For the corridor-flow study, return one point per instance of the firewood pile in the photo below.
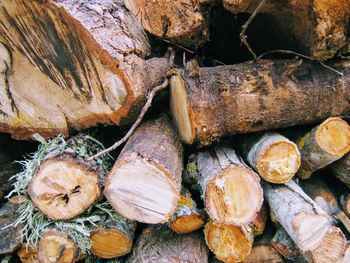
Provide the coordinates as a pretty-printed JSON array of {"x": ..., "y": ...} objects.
[{"x": 227, "y": 121}]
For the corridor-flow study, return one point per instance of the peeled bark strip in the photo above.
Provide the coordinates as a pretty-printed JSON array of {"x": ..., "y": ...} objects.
[
  {"x": 325, "y": 144},
  {"x": 275, "y": 158},
  {"x": 341, "y": 169},
  {"x": 66, "y": 184},
  {"x": 305, "y": 222},
  {"x": 231, "y": 191},
  {"x": 28, "y": 254},
  {"x": 57, "y": 247},
  {"x": 84, "y": 58},
  {"x": 145, "y": 182},
  {"x": 187, "y": 217},
  {"x": 209, "y": 103},
  {"x": 181, "y": 22},
  {"x": 114, "y": 238},
  {"x": 160, "y": 244},
  {"x": 10, "y": 237},
  {"x": 229, "y": 243}
]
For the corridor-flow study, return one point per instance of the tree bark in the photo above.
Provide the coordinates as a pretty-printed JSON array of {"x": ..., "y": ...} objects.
[
  {"x": 145, "y": 182},
  {"x": 160, "y": 244},
  {"x": 181, "y": 22},
  {"x": 325, "y": 144},
  {"x": 187, "y": 217},
  {"x": 113, "y": 238},
  {"x": 209, "y": 103},
  {"x": 10, "y": 236},
  {"x": 275, "y": 158},
  {"x": 85, "y": 59},
  {"x": 231, "y": 191},
  {"x": 66, "y": 183},
  {"x": 229, "y": 243},
  {"x": 306, "y": 223},
  {"x": 341, "y": 169}
]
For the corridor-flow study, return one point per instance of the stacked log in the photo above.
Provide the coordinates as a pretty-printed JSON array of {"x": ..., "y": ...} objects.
[{"x": 341, "y": 169}]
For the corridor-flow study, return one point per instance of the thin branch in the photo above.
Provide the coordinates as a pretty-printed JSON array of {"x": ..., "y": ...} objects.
[
  {"x": 145, "y": 108},
  {"x": 243, "y": 35}
]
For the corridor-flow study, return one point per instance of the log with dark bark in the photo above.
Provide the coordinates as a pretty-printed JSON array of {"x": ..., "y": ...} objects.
[
  {"x": 341, "y": 169},
  {"x": 275, "y": 158},
  {"x": 187, "y": 217},
  {"x": 145, "y": 182},
  {"x": 208, "y": 103},
  {"x": 230, "y": 189},
  {"x": 309, "y": 226},
  {"x": 85, "y": 59},
  {"x": 10, "y": 236},
  {"x": 323, "y": 145},
  {"x": 160, "y": 244}
]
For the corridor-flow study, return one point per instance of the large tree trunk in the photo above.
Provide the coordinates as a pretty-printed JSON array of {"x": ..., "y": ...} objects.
[
  {"x": 208, "y": 103},
  {"x": 341, "y": 169},
  {"x": 320, "y": 27},
  {"x": 275, "y": 158},
  {"x": 323, "y": 145},
  {"x": 231, "y": 190},
  {"x": 145, "y": 182},
  {"x": 160, "y": 244},
  {"x": 84, "y": 59},
  {"x": 307, "y": 224}
]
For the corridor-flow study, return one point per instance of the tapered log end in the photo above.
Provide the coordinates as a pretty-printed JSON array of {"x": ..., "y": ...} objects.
[
  {"x": 56, "y": 247},
  {"x": 110, "y": 243},
  {"x": 229, "y": 243},
  {"x": 63, "y": 188},
  {"x": 187, "y": 224},
  {"x": 234, "y": 197},
  {"x": 140, "y": 190},
  {"x": 180, "y": 110}
]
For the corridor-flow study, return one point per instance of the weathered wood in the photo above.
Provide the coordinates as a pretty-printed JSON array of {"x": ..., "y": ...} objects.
[
  {"x": 275, "y": 158},
  {"x": 27, "y": 254},
  {"x": 229, "y": 243},
  {"x": 208, "y": 103},
  {"x": 84, "y": 58},
  {"x": 160, "y": 244},
  {"x": 323, "y": 145},
  {"x": 10, "y": 236},
  {"x": 187, "y": 217},
  {"x": 341, "y": 169},
  {"x": 145, "y": 182},
  {"x": 231, "y": 191}
]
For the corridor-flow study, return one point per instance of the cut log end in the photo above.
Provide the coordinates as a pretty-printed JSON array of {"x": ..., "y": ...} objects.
[
  {"x": 27, "y": 254},
  {"x": 234, "y": 197},
  {"x": 63, "y": 188},
  {"x": 55, "y": 247},
  {"x": 180, "y": 109},
  {"x": 156, "y": 197},
  {"x": 264, "y": 253},
  {"x": 187, "y": 224},
  {"x": 110, "y": 243},
  {"x": 236, "y": 6},
  {"x": 228, "y": 243}
]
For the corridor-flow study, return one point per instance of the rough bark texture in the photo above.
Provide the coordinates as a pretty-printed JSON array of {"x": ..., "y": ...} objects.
[
  {"x": 229, "y": 243},
  {"x": 114, "y": 238},
  {"x": 84, "y": 58},
  {"x": 325, "y": 144},
  {"x": 158, "y": 244},
  {"x": 341, "y": 169},
  {"x": 27, "y": 254},
  {"x": 145, "y": 182},
  {"x": 275, "y": 158},
  {"x": 305, "y": 222},
  {"x": 320, "y": 27},
  {"x": 10, "y": 237},
  {"x": 208, "y": 103},
  {"x": 231, "y": 191},
  {"x": 181, "y": 22},
  {"x": 187, "y": 217}
]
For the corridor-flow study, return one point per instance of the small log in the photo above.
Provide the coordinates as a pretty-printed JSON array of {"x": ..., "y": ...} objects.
[
  {"x": 275, "y": 158},
  {"x": 66, "y": 184},
  {"x": 86, "y": 60},
  {"x": 10, "y": 236},
  {"x": 160, "y": 244},
  {"x": 27, "y": 254},
  {"x": 229, "y": 243},
  {"x": 231, "y": 190},
  {"x": 145, "y": 182},
  {"x": 283, "y": 93},
  {"x": 187, "y": 217},
  {"x": 181, "y": 22},
  {"x": 341, "y": 169},
  {"x": 57, "y": 247},
  {"x": 306, "y": 223},
  {"x": 325, "y": 144},
  {"x": 113, "y": 238},
  {"x": 259, "y": 222}
]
